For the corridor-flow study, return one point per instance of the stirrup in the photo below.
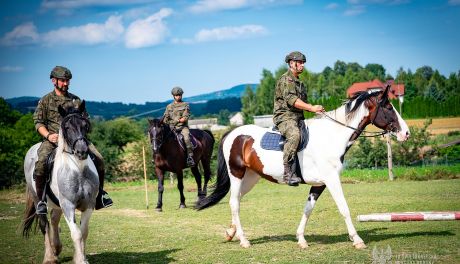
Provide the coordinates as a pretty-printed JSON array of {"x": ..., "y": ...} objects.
[
  {"x": 42, "y": 208},
  {"x": 190, "y": 161}
]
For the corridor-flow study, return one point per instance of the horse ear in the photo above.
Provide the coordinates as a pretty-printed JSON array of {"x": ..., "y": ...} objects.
[
  {"x": 62, "y": 111},
  {"x": 82, "y": 106},
  {"x": 150, "y": 121},
  {"x": 384, "y": 95},
  {"x": 162, "y": 119}
]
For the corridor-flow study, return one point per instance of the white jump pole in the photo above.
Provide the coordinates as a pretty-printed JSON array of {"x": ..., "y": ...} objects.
[{"x": 409, "y": 216}]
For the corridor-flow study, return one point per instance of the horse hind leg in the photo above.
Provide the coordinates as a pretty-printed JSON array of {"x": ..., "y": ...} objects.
[
  {"x": 54, "y": 231},
  {"x": 315, "y": 192},
  {"x": 197, "y": 175}
]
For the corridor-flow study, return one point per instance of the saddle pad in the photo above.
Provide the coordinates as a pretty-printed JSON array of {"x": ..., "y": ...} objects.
[{"x": 275, "y": 141}]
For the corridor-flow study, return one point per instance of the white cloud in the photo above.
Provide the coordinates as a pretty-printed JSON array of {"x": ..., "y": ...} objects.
[
  {"x": 147, "y": 32},
  {"x": 224, "y": 33},
  {"x": 11, "y": 69},
  {"x": 21, "y": 35},
  {"x": 89, "y": 34},
  {"x": 74, "y": 4},
  {"x": 454, "y": 2},
  {"x": 332, "y": 6},
  {"x": 355, "y": 10},
  {"x": 203, "y": 6}
]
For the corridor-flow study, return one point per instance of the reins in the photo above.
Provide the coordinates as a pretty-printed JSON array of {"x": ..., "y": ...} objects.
[{"x": 372, "y": 133}]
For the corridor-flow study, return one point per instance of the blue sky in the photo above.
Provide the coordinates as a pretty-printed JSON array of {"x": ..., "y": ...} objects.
[{"x": 136, "y": 51}]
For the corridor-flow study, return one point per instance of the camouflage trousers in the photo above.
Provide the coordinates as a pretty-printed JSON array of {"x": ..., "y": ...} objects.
[
  {"x": 44, "y": 151},
  {"x": 290, "y": 130},
  {"x": 186, "y": 134}
]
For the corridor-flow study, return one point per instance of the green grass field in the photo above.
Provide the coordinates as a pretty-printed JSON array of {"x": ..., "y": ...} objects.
[{"x": 128, "y": 233}]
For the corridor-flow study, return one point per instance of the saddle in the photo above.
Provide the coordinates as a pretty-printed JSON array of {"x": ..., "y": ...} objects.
[
  {"x": 180, "y": 139},
  {"x": 273, "y": 140}
]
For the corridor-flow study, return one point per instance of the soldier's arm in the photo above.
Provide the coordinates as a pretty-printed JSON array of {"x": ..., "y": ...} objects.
[
  {"x": 289, "y": 92},
  {"x": 308, "y": 107},
  {"x": 185, "y": 114},
  {"x": 39, "y": 116}
]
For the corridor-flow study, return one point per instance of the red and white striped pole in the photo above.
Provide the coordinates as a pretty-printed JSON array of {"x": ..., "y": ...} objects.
[{"x": 409, "y": 216}]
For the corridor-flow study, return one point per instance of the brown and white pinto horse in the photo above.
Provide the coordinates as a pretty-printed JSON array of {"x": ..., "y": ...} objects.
[{"x": 242, "y": 161}]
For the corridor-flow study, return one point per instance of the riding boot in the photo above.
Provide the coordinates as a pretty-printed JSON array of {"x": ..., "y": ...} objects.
[
  {"x": 190, "y": 160},
  {"x": 290, "y": 176},
  {"x": 103, "y": 199},
  {"x": 41, "y": 208}
]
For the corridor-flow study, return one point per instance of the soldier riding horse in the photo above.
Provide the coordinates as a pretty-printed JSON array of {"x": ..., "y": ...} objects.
[{"x": 242, "y": 161}]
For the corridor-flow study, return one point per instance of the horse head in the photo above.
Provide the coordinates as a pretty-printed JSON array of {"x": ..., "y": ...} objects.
[
  {"x": 383, "y": 115},
  {"x": 75, "y": 126},
  {"x": 158, "y": 131}
]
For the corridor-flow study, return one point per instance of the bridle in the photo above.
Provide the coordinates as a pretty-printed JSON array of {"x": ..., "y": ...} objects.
[
  {"x": 157, "y": 141},
  {"x": 81, "y": 137},
  {"x": 359, "y": 131}
]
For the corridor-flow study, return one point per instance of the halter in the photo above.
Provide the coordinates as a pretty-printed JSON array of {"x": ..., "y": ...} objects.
[{"x": 72, "y": 146}]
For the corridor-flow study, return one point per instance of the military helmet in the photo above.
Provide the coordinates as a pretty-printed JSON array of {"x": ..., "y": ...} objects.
[
  {"x": 295, "y": 55},
  {"x": 61, "y": 72},
  {"x": 177, "y": 91}
]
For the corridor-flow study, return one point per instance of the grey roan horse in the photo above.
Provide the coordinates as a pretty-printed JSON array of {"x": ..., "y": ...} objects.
[{"x": 74, "y": 181}]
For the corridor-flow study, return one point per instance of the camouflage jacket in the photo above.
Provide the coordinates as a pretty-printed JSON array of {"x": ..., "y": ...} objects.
[
  {"x": 288, "y": 90},
  {"x": 47, "y": 114},
  {"x": 174, "y": 112}
]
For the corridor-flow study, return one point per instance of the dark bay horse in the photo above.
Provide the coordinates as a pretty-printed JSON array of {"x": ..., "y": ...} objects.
[
  {"x": 242, "y": 161},
  {"x": 74, "y": 182},
  {"x": 168, "y": 155}
]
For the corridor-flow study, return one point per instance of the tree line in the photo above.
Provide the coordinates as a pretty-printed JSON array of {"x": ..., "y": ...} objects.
[{"x": 427, "y": 92}]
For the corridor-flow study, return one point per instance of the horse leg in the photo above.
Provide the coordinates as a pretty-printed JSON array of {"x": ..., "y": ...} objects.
[
  {"x": 315, "y": 192},
  {"x": 160, "y": 177},
  {"x": 69, "y": 214},
  {"x": 84, "y": 227},
  {"x": 335, "y": 188},
  {"x": 54, "y": 231},
  {"x": 206, "y": 162},
  {"x": 50, "y": 256},
  {"x": 180, "y": 186},
  {"x": 197, "y": 175},
  {"x": 238, "y": 189}
]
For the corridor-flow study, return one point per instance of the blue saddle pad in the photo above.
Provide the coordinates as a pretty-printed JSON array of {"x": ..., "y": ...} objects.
[{"x": 275, "y": 141}]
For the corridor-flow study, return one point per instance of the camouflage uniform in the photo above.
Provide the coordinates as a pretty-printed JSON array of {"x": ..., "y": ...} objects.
[
  {"x": 175, "y": 111},
  {"x": 46, "y": 114},
  {"x": 285, "y": 116}
]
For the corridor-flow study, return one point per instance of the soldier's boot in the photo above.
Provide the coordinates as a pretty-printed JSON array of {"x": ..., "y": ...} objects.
[
  {"x": 42, "y": 207},
  {"x": 190, "y": 160},
  {"x": 290, "y": 176},
  {"x": 103, "y": 199}
]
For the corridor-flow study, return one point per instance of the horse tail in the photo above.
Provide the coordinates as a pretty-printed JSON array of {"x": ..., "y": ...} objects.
[
  {"x": 223, "y": 180},
  {"x": 29, "y": 216},
  {"x": 212, "y": 136}
]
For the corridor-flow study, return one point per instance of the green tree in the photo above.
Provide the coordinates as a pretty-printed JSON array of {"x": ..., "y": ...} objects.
[{"x": 249, "y": 105}]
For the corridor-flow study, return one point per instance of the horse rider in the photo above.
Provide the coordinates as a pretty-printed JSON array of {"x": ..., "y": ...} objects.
[
  {"x": 289, "y": 102},
  {"x": 47, "y": 122},
  {"x": 176, "y": 116}
]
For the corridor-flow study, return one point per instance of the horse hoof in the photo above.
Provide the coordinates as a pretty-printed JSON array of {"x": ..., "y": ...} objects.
[
  {"x": 303, "y": 245},
  {"x": 360, "y": 245},
  {"x": 182, "y": 206},
  {"x": 230, "y": 233},
  {"x": 245, "y": 244},
  {"x": 158, "y": 209}
]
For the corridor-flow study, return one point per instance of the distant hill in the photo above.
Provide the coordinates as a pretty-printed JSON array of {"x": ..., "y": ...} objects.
[
  {"x": 235, "y": 91},
  {"x": 210, "y": 103}
]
